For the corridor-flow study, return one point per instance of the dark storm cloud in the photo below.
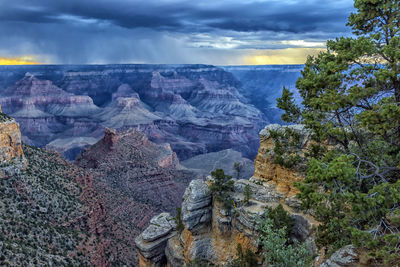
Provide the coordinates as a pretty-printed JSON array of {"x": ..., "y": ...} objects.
[
  {"x": 189, "y": 16},
  {"x": 67, "y": 30}
]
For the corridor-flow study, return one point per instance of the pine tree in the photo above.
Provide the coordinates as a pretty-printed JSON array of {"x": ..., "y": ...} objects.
[
  {"x": 351, "y": 103},
  {"x": 237, "y": 166},
  {"x": 221, "y": 187}
]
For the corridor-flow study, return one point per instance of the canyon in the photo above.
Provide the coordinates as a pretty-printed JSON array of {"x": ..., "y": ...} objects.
[
  {"x": 55, "y": 212},
  {"x": 195, "y": 108},
  {"x": 211, "y": 235},
  {"x": 143, "y": 137},
  {"x": 117, "y": 205}
]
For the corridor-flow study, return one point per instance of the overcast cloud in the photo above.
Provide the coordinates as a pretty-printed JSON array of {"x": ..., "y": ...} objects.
[{"x": 165, "y": 31}]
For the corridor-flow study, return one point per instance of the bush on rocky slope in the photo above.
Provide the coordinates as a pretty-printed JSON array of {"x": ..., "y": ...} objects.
[{"x": 41, "y": 216}]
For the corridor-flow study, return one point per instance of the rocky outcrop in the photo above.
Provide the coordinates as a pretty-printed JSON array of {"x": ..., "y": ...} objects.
[
  {"x": 195, "y": 108},
  {"x": 266, "y": 170},
  {"x": 212, "y": 234},
  {"x": 11, "y": 154},
  {"x": 196, "y": 206},
  {"x": 346, "y": 256},
  {"x": 152, "y": 241},
  {"x": 10, "y": 140},
  {"x": 136, "y": 179}
]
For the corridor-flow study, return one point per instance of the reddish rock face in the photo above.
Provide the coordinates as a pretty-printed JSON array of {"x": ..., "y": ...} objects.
[
  {"x": 136, "y": 179},
  {"x": 10, "y": 140}
]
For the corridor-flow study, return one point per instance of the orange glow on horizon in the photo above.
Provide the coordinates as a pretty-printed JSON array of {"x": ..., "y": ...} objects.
[
  {"x": 281, "y": 56},
  {"x": 24, "y": 60}
]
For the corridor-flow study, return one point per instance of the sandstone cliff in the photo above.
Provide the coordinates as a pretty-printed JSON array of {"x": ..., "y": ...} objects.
[
  {"x": 266, "y": 170},
  {"x": 10, "y": 140},
  {"x": 12, "y": 158},
  {"x": 212, "y": 234}
]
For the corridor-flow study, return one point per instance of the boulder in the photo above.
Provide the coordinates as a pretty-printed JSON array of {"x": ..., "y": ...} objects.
[
  {"x": 196, "y": 206},
  {"x": 346, "y": 256},
  {"x": 152, "y": 241}
]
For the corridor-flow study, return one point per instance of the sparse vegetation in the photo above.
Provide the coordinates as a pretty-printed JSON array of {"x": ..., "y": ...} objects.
[
  {"x": 244, "y": 258},
  {"x": 278, "y": 250},
  {"x": 4, "y": 117},
  {"x": 238, "y": 167},
  {"x": 247, "y": 194},
  {"x": 37, "y": 209},
  {"x": 221, "y": 186}
]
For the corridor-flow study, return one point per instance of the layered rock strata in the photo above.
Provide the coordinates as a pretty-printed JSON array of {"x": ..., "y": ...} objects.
[
  {"x": 136, "y": 179},
  {"x": 195, "y": 108},
  {"x": 212, "y": 234},
  {"x": 152, "y": 241},
  {"x": 266, "y": 170},
  {"x": 12, "y": 158}
]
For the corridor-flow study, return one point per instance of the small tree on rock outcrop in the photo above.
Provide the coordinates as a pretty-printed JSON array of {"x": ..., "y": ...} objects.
[
  {"x": 247, "y": 194},
  {"x": 238, "y": 166},
  {"x": 221, "y": 187}
]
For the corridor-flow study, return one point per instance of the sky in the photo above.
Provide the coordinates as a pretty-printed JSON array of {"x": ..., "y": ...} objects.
[{"x": 218, "y": 32}]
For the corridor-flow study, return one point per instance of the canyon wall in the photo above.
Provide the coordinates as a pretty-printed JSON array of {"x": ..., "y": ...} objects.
[
  {"x": 195, "y": 108},
  {"x": 136, "y": 179},
  {"x": 268, "y": 171},
  {"x": 49, "y": 212}
]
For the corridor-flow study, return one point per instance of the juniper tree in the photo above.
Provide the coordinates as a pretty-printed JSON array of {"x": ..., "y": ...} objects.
[
  {"x": 238, "y": 166},
  {"x": 247, "y": 193},
  {"x": 351, "y": 103},
  {"x": 221, "y": 187}
]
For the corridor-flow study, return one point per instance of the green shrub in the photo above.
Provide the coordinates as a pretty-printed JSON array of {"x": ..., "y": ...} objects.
[
  {"x": 244, "y": 259},
  {"x": 221, "y": 187},
  {"x": 247, "y": 194},
  {"x": 276, "y": 247},
  {"x": 178, "y": 220},
  {"x": 286, "y": 147},
  {"x": 280, "y": 218}
]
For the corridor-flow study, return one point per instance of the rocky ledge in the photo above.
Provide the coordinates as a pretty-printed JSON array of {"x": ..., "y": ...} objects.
[
  {"x": 11, "y": 154},
  {"x": 267, "y": 170},
  {"x": 152, "y": 241},
  {"x": 212, "y": 234}
]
